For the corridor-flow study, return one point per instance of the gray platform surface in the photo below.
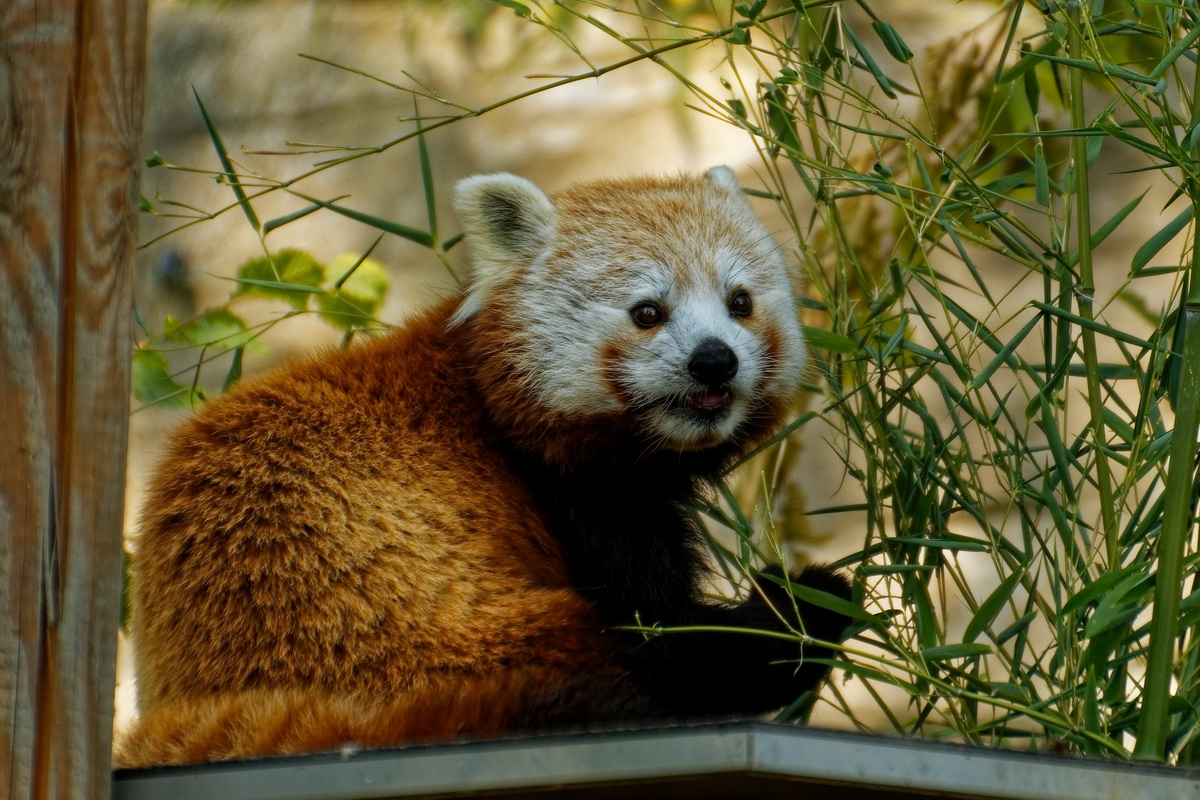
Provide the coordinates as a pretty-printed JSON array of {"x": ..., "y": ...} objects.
[{"x": 708, "y": 761}]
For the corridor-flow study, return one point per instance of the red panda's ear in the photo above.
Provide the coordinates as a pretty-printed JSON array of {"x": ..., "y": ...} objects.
[
  {"x": 507, "y": 222},
  {"x": 724, "y": 178}
]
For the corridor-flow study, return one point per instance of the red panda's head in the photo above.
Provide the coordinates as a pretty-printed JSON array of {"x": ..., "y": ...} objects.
[{"x": 657, "y": 311}]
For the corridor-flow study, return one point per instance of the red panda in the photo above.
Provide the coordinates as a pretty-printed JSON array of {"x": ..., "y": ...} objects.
[{"x": 448, "y": 529}]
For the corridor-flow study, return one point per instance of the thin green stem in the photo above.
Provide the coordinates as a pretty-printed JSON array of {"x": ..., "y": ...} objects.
[{"x": 1085, "y": 294}]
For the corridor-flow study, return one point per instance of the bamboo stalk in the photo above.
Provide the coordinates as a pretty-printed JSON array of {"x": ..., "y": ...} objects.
[{"x": 1085, "y": 295}]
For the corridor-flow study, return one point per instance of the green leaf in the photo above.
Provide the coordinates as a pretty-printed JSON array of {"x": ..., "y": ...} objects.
[
  {"x": 151, "y": 382},
  {"x": 1099, "y": 68},
  {"x": 1159, "y": 240},
  {"x": 218, "y": 327},
  {"x": 403, "y": 231},
  {"x": 1029, "y": 83},
  {"x": 279, "y": 222},
  {"x": 946, "y": 652},
  {"x": 954, "y": 543},
  {"x": 1003, "y": 356},
  {"x": 825, "y": 600},
  {"x": 739, "y": 35},
  {"x": 895, "y": 569},
  {"x": 1009, "y": 691},
  {"x": 1097, "y": 588},
  {"x": 1115, "y": 220},
  {"x": 222, "y": 155},
  {"x": 892, "y": 41},
  {"x": 828, "y": 340},
  {"x": 874, "y": 69},
  {"x": 867, "y": 673},
  {"x": 1017, "y": 627},
  {"x": 356, "y": 301},
  {"x": 990, "y": 608},
  {"x": 1179, "y": 49},
  {"x": 292, "y": 275},
  {"x": 427, "y": 183},
  {"x": 235, "y": 370},
  {"x": 1118, "y": 608},
  {"x": 780, "y": 118},
  {"x": 1123, "y": 136},
  {"x": 519, "y": 9},
  {"x": 752, "y": 10},
  {"x": 1091, "y": 324},
  {"x": 1113, "y": 616}
]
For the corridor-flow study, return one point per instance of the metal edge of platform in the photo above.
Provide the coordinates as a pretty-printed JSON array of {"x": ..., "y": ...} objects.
[{"x": 763, "y": 751}]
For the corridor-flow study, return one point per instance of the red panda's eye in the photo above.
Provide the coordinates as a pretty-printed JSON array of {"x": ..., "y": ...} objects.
[
  {"x": 740, "y": 305},
  {"x": 647, "y": 315}
]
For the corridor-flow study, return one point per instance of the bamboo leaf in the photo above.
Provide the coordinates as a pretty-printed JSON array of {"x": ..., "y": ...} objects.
[
  {"x": 1098, "y": 588},
  {"x": 948, "y": 652},
  {"x": 1180, "y": 47},
  {"x": 520, "y": 9},
  {"x": 279, "y": 222},
  {"x": 1020, "y": 626},
  {"x": 990, "y": 608},
  {"x": 867, "y": 673},
  {"x": 1092, "y": 324},
  {"x": 892, "y": 41},
  {"x": 427, "y": 181},
  {"x": 1113, "y": 222},
  {"x": 828, "y": 340},
  {"x": 223, "y": 156},
  {"x": 403, "y": 231},
  {"x": 865, "y": 55},
  {"x": 1159, "y": 240},
  {"x": 1101, "y": 68},
  {"x": 1003, "y": 356},
  {"x": 234, "y": 374},
  {"x": 969, "y": 545},
  {"x": 825, "y": 600}
]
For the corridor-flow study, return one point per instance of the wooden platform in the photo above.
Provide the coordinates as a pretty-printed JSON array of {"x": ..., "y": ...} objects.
[{"x": 741, "y": 760}]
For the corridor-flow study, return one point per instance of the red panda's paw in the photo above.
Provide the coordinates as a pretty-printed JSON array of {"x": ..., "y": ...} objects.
[
  {"x": 737, "y": 663},
  {"x": 780, "y": 670},
  {"x": 816, "y": 618}
]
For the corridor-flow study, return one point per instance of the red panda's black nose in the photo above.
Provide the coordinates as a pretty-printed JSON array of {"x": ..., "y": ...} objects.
[{"x": 713, "y": 362}]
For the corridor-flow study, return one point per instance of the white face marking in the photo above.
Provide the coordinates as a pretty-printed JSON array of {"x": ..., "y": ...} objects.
[
  {"x": 580, "y": 323},
  {"x": 657, "y": 373}
]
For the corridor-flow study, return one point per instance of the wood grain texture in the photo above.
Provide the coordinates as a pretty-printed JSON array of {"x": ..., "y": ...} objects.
[{"x": 70, "y": 124}]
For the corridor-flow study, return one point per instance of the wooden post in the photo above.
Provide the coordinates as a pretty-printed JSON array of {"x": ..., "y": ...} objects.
[{"x": 71, "y": 75}]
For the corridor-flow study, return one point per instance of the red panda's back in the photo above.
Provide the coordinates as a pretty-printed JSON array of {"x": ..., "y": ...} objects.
[{"x": 344, "y": 524}]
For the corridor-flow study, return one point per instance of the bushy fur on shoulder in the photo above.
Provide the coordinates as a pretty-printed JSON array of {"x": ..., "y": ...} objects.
[{"x": 442, "y": 531}]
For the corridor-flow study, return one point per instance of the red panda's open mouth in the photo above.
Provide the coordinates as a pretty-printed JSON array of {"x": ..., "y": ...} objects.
[{"x": 708, "y": 402}]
